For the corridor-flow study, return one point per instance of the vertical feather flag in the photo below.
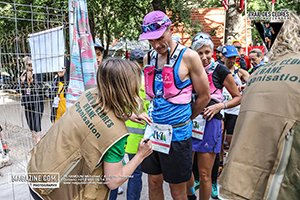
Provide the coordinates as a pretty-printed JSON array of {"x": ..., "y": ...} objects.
[
  {"x": 242, "y": 5},
  {"x": 83, "y": 65},
  {"x": 225, "y": 4}
]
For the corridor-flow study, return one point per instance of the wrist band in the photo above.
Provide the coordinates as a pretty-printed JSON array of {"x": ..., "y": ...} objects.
[{"x": 225, "y": 105}]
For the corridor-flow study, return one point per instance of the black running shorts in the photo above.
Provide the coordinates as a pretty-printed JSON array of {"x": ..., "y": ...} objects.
[
  {"x": 176, "y": 166},
  {"x": 229, "y": 123}
]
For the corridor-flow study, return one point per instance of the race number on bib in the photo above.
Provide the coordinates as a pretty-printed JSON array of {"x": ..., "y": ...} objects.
[
  {"x": 160, "y": 135},
  {"x": 55, "y": 102},
  {"x": 198, "y": 127}
]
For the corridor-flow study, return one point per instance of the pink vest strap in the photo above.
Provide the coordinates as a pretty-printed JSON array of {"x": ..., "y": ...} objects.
[
  {"x": 171, "y": 92},
  {"x": 215, "y": 93}
]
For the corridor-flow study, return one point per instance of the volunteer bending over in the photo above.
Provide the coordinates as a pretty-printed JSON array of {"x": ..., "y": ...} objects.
[{"x": 88, "y": 141}]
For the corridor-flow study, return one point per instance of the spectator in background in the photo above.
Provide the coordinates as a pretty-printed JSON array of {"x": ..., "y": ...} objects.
[
  {"x": 58, "y": 94},
  {"x": 240, "y": 77},
  {"x": 99, "y": 49},
  {"x": 241, "y": 59},
  {"x": 256, "y": 58},
  {"x": 32, "y": 100},
  {"x": 220, "y": 56},
  {"x": 268, "y": 34}
]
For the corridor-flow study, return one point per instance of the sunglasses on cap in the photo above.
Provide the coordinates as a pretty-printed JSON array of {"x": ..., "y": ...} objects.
[
  {"x": 201, "y": 37},
  {"x": 155, "y": 26}
]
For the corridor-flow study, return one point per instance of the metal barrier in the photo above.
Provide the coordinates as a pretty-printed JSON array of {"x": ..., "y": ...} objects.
[{"x": 26, "y": 96}]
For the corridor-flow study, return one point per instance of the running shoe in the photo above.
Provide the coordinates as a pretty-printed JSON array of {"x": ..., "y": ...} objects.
[
  {"x": 196, "y": 184},
  {"x": 214, "y": 191}
]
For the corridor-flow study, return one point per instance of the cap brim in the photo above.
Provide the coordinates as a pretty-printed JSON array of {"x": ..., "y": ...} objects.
[
  {"x": 153, "y": 34},
  {"x": 231, "y": 55}
]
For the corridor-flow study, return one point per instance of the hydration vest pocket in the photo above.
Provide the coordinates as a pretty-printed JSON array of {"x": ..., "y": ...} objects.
[
  {"x": 171, "y": 92},
  {"x": 149, "y": 73},
  {"x": 169, "y": 87}
]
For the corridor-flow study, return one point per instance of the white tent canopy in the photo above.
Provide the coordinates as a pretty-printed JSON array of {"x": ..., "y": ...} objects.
[{"x": 129, "y": 45}]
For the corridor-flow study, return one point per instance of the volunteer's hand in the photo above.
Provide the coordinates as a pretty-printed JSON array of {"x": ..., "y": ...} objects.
[
  {"x": 145, "y": 148},
  {"x": 141, "y": 118},
  {"x": 210, "y": 111}
]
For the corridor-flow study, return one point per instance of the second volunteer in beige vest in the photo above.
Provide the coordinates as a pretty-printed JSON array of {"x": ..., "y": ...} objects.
[
  {"x": 263, "y": 161},
  {"x": 77, "y": 143}
]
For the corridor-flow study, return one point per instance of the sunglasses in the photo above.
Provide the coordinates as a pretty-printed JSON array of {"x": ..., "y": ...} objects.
[
  {"x": 155, "y": 26},
  {"x": 238, "y": 47},
  {"x": 201, "y": 37}
]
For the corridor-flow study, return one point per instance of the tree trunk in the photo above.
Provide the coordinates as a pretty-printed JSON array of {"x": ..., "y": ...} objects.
[
  {"x": 234, "y": 23},
  {"x": 108, "y": 38}
]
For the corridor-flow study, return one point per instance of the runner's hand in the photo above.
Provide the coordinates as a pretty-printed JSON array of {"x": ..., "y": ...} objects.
[
  {"x": 210, "y": 111},
  {"x": 145, "y": 148},
  {"x": 241, "y": 87},
  {"x": 141, "y": 119}
]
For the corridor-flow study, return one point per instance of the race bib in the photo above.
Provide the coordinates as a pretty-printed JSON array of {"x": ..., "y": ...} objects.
[
  {"x": 55, "y": 102},
  {"x": 198, "y": 127},
  {"x": 226, "y": 95},
  {"x": 160, "y": 135}
]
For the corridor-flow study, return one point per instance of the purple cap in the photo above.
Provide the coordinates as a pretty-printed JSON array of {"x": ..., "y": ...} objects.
[{"x": 159, "y": 23}]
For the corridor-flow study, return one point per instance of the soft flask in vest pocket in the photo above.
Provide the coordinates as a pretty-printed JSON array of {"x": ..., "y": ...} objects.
[
  {"x": 149, "y": 73},
  {"x": 171, "y": 92}
]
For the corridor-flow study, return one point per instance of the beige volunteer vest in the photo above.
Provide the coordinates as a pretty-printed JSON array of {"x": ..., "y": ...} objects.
[
  {"x": 75, "y": 145},
  {"x": 260, "y": 157}
]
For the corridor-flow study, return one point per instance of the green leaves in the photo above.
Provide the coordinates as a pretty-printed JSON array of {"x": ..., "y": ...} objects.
[
  {"x": 121, "y": 19},
  {"x": 117, "y": 18}
]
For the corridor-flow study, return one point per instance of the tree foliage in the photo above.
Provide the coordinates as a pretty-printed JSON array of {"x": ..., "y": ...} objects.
[
  {"x": 121, "y": 19},
  {"x": 117, "y": 18},
  {"x": 266, "y": 5}
]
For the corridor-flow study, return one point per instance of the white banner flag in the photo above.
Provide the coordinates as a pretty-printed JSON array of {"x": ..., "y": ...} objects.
[{"x": 47, "y": 50}]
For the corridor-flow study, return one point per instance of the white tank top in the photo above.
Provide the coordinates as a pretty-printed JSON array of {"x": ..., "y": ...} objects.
[{"x": 227, "y": 97}]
